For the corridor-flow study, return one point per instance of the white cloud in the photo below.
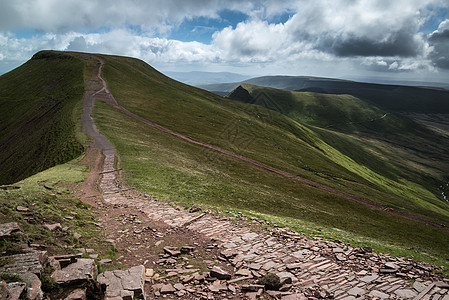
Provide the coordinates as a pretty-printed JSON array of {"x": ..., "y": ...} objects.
[
  {"x": 439, "y": 45},
  {"x": 323, "y": 36},
  {"x": 68, "y": 15}
]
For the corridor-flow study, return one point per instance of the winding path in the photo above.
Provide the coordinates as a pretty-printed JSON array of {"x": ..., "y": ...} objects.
[
  {"x": 109, "y": 151},
  {"x": 307, "y": 262}
]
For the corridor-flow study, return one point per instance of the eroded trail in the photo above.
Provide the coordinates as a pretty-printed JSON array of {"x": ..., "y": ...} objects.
[
  {"x": 108, "y": 98},
  {"x": 307, "y": 267}
]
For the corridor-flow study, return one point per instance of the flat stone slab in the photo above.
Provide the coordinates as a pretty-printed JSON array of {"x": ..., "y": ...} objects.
[
  {"x": 406, "y": 294},
  {"x": 356, "y": 291},
  {"x": 31, "y": 262},
  {"x": 369, "y": 278},
  {"x": 219, "y": 273},
  {"x": 167, "y": 289},
  {"x": 117, "y": 281},
  {"x": 7, "y": 229},
  {"x": 378, "y": 294},
  {"x": 82, "y": 270}
]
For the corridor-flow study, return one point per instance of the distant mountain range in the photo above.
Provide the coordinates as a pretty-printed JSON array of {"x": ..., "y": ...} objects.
[
  {"x": 198, "y": 77},
  {"x": 399, "y": 98}
]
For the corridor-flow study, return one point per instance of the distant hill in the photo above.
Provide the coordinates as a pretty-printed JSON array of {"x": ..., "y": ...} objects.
[
  {"x": 396, "y": 98},
  {"x": 198, "y": 77},
  {"x": 361, "y": 120}
]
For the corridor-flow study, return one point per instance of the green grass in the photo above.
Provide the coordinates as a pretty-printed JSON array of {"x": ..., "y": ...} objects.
[
  {"x": 37, "y": 120},
  {"x": 46, "y": 206},
  {"x": 391, "y": 151},
  {"x": 170, "y": 168},
  {"x": 165, "y": 166},
  {"x": 264, "y": 135}
]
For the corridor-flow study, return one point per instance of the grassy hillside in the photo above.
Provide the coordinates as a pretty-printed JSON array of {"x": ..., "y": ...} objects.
[
  {"x": 43, "y": 96},
  {"x": 170, "y": 168},
  {"x": 391, "y": 97},
  {"x": 37, "y": 121},
  {"x": 364, "y": 132}
]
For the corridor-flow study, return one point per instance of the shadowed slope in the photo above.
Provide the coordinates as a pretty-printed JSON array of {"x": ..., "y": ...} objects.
[
  {"x": 391, "y": 97},
  {"x": 37, "y": 120}
]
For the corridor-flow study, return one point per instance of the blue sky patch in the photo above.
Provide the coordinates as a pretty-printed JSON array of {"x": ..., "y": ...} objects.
[{"x": 200, "y": 29}]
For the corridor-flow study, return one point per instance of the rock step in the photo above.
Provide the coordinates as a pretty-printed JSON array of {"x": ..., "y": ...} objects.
[{"x": 30, "y": 262}]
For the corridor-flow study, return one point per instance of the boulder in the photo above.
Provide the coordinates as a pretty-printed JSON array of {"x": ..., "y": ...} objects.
[
  {"x": 194, "y": 209},
  {"x": 285, "y": 277},
  {"x": 4, "y": 290},
  {"x": 167, "y": 289},
  {"x": 187, "y": 249},
  {"x": 22, "y": 208},
  {"x": 243, "y": 272},
  {"x": 53, "y": 227},
  {"x": 126, "y": 295},
  {"x": 16, "y": 290},
  {"x": 252, "y": 287},
  {"x": 218, "y": 287},
  {"x": 34, "y": 291},
  {"x": 172, "y": 251},
  {"x": 83, "y": 270},
  {"x": 392, "y": 266}
]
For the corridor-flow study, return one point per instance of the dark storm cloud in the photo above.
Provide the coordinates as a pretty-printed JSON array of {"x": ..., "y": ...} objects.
[{"x": 401, "y": 43}]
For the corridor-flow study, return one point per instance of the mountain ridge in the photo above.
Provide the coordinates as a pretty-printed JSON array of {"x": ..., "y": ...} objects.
[
  {"x": 392, "y": 97},
  {"x": 160, "y": 164}
]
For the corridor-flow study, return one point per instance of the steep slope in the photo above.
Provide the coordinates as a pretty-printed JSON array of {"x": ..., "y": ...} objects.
[
  {"x": 37, "y": 120},
  {"x": 164, "y": 165},
  {"x": 391, "y": 97},
  {"x": 364, "y": 132}
]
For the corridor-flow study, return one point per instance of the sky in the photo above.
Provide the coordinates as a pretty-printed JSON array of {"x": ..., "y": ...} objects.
[{"x": 390, "y": 39}]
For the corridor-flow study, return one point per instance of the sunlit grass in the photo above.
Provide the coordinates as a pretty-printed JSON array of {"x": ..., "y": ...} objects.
[{"x": 172, "y": 169}]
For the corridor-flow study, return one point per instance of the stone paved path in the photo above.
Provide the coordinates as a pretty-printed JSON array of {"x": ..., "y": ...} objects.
[
  {"x": 336, "y": 270},
  {"x": 296, "y": 256}
]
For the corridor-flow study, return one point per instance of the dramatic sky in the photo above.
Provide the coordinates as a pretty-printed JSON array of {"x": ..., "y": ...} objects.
[{"x": 397, "y": 39}]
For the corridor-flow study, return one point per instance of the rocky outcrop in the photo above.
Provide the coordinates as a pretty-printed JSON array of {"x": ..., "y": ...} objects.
[{"x": 31, "y": 262}]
